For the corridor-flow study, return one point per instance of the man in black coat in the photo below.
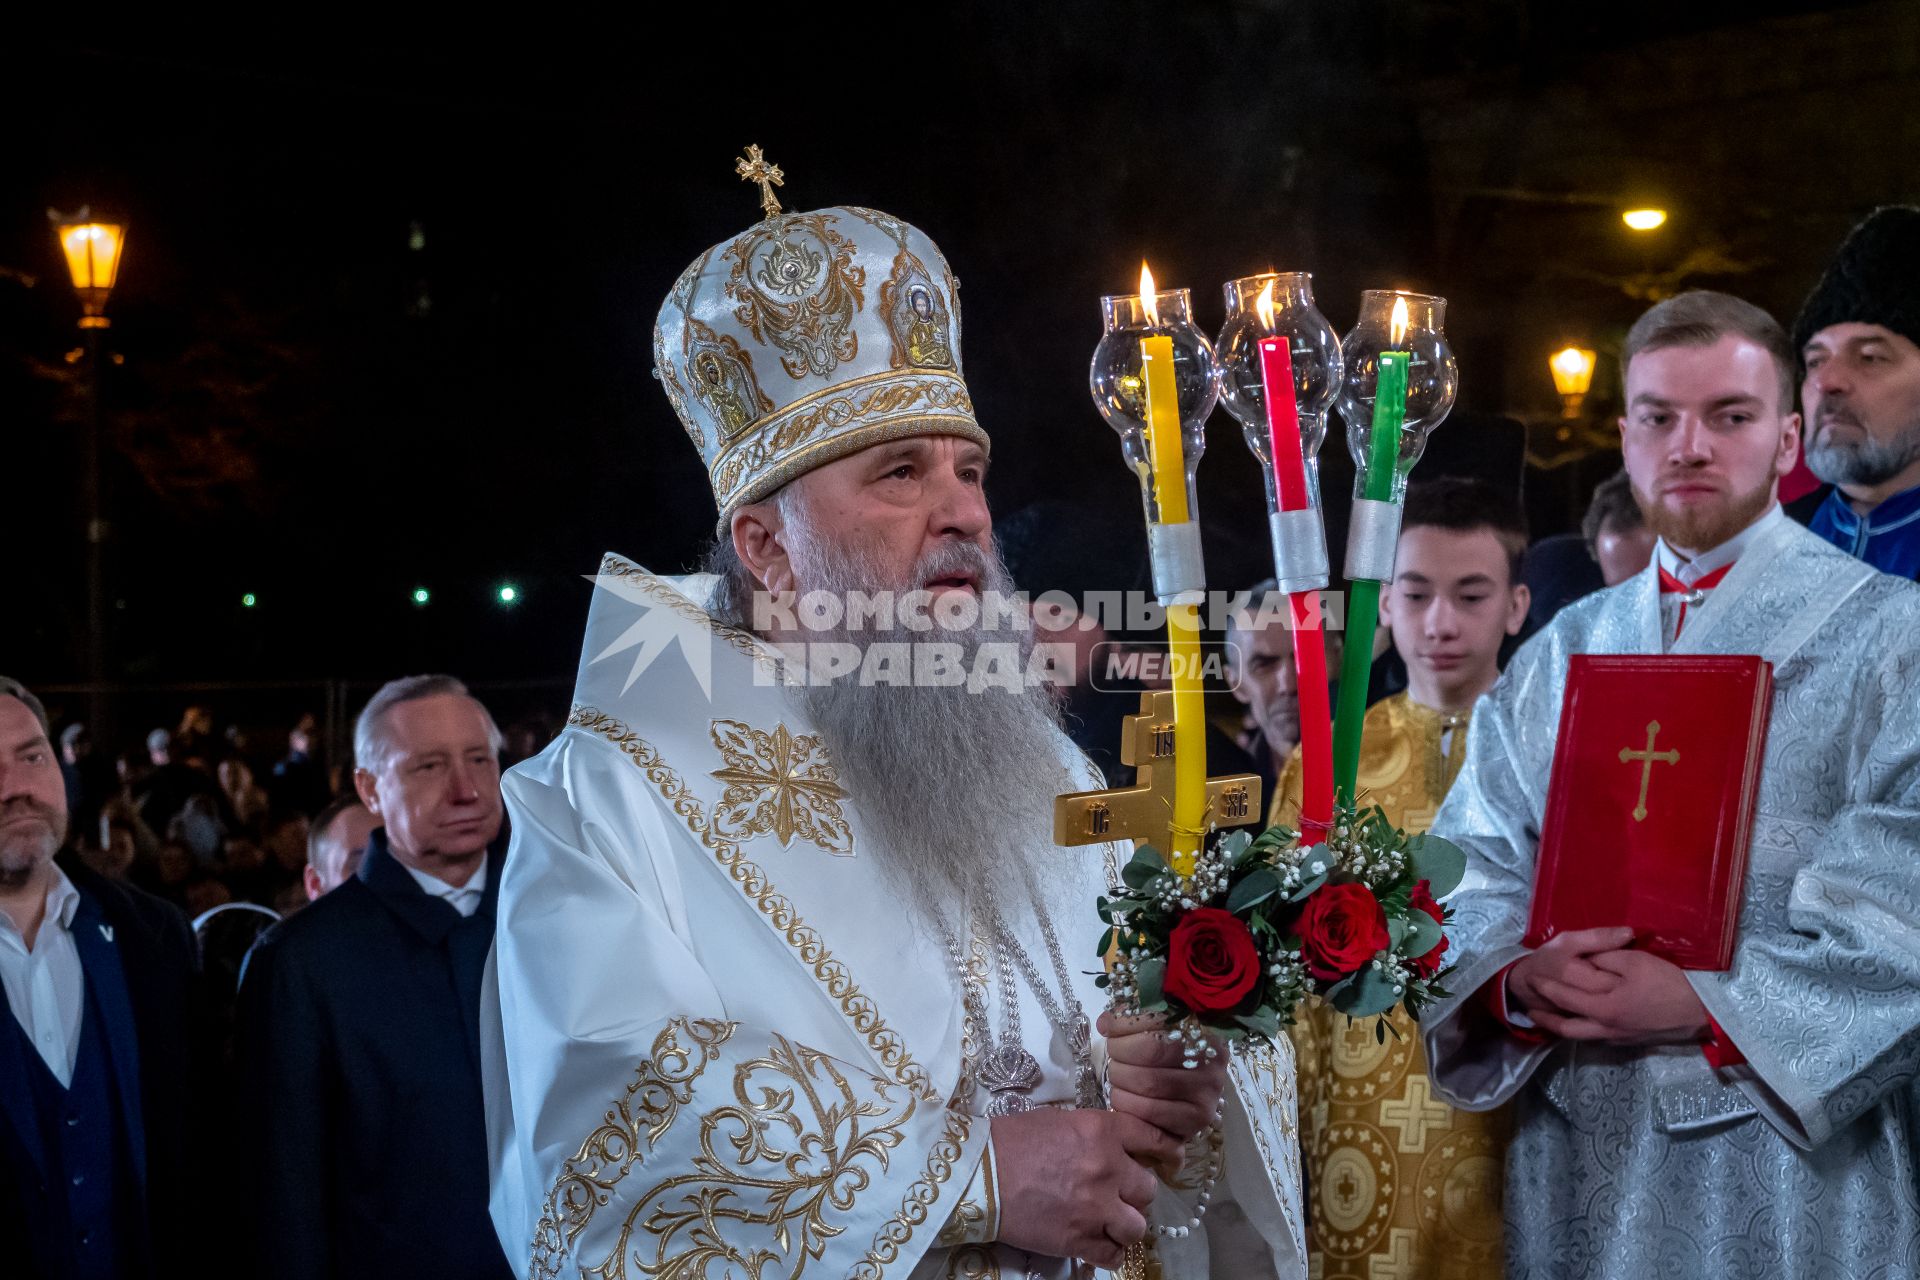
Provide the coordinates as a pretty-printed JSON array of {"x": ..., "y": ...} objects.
[
  {"x": 359, "y": 1018},
  {"x": 97, "y": 1056}
]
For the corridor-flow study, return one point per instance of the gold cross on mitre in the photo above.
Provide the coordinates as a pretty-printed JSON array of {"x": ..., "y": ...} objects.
[
  {"x": 1144, "y": 811},
  {"x": 753, "y": 167}
]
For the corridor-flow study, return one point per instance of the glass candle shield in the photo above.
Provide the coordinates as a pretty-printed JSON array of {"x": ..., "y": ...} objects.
[
  {"x": 1314, "y": 349},
  {"x": 1433, "y": 378},
  {"x": 1118, "y": 385}
]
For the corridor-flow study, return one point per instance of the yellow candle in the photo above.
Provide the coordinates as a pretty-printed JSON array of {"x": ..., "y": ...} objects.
[
  {"x": 1183, "y": 620},
  {"x": 1163, "y": 429},
  {"x": 1189, "y": 737}
]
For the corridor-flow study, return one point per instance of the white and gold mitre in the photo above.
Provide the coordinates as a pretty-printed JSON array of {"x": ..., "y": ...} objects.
[{"x": 808, "y": 337}]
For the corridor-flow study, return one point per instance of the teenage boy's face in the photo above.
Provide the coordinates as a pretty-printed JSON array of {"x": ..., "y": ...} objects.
[{"x": 1450, "y": 604}]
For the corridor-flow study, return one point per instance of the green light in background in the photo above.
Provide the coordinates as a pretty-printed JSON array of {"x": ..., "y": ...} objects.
[
  {"x": 422, "y": 596},
  {"x": 508, "y": 593},
  {"x": 249, "y": 600}
]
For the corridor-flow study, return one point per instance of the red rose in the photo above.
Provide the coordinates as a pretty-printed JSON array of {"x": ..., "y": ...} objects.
[
  {"x": 1341, "y": 928},
  {"x": 1421, "y": 899},
  {"x": 1212, "y": 962}
]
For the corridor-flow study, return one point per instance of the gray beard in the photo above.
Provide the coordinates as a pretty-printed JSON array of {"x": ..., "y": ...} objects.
[
  {"x": 1862, "y": 462},
  {"x": 954, "y": 786}
]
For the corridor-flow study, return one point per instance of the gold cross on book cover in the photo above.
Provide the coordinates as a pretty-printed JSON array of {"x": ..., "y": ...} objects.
[{"x": 1144, "y": 811}]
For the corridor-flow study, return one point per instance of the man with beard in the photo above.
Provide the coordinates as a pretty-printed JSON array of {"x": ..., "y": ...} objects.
[
  {"x": 791, "y": 980},
  {"x": 1756, "y": 1122},
  {"x": 1856, "y": 334},
  {"x": 95, "y": 1060}
]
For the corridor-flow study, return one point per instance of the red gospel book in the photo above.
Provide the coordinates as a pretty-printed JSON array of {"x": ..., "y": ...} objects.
[{"x": 1650, "y": 808}]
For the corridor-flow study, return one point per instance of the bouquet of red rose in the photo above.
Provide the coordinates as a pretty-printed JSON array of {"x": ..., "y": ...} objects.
[{"x": 1262, "y": 921}]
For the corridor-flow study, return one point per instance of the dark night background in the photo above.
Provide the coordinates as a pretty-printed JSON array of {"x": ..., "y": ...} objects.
[{"x": 385, "y": 313}]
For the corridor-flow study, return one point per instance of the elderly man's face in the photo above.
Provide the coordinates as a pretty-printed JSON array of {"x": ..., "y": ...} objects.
[
  {"x": 1265, "y": 680},
  {"x": 438, "y": 791},
  {"x": 33, "y": 799},
  {"x": 900, "y": 500},
  {"x": 1862, "y": 398}
]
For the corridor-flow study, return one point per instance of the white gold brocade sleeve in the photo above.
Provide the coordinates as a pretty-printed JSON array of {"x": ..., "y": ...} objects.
[{"x": 637, "y": 1128}]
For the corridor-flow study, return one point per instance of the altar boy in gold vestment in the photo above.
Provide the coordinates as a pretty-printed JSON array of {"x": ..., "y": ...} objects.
[{"x": 1400, "y": 1185}]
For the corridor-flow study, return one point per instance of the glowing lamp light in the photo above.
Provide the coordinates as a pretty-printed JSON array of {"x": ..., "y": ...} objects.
[
  {"x": 1397, "y": 327},
  {"x": 508, "y": 593},
  {"x": 1572, "y": 369},
  {"x": 1149, "y": 297},
  {"x": 1263, "y": 306},
  {"x": 249, "y": 600},
  {"x": 93, "y": 260},
  {"x": 422, "y": 596},
  {"x": 1644, "y": 219}
]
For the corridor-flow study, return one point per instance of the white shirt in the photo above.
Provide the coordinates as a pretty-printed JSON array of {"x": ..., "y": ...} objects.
[
  {"x": 463, "y": 898},
  {"x": 46, "y": 986}
]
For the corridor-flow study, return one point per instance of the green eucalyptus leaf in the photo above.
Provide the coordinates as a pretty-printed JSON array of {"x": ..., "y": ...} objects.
[
  {"x": 1105, "y": 911},
  {"x": 1257, "y": 886},
  {"x": 1106, "y": 945},
  {"x": 1234, "y": 845},
  {"x": 1148, "y": 977},
  {"x": 1307, "y": 888},
  {"x": 1262, "y": 1021},
  {"x": 1316, "y": 861},
  {"x": 1441, "y": 863},
  {"x": 1396, "y": 931},
  {"x": 1364, "y": 994},
  {"x": 1422, "y": 934}
]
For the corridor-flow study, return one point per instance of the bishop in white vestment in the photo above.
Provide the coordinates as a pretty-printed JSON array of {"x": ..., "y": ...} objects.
[
  {"x": 1772, "y": 1132},
  {"x": 731, "y": 1037}
]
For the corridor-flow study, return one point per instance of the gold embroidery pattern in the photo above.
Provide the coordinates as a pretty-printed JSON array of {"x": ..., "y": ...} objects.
[
  {"x": 780, "y": 783},
  {"x": 612, "y": 566},
  {"x": 1265, "y": 1079},
  {"x": 787, "y": 1156},
  {"x": 919, "y": 1198},
  {"x": 794, "y": 285},
  {"x": 855, "y": 1005},
  {"x": 661, "y": 1086},
  {"x": 846, "y": 416},
  {"x": 975, "y": 1221},
  {"x": 721, "y": 371}
]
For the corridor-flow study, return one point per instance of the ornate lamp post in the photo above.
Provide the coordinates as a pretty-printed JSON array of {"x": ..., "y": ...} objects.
[{"x": 92, "y": 250}]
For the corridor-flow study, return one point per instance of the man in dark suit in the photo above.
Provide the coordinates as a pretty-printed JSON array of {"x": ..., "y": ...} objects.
[
  {"x": 359, "y": 1017},
  {"x": 95, "y": 1059}
]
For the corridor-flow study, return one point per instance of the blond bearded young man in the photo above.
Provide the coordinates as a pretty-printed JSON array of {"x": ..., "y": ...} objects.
[
  {"x": 1758, "y": 1122},
  {"x": 791, "y": 980}
]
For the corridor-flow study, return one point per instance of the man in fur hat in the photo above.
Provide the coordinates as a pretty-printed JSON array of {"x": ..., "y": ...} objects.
[{"x": 1857, "y": 336}]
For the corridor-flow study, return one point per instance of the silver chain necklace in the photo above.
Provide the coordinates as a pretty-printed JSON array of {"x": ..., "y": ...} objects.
[{"x": 1006, "y": 1068}]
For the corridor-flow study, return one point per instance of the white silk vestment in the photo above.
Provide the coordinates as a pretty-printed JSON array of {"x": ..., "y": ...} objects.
[
  {"x": 714, "y": 1043},
  {"x": 1646, "y": 1161}
]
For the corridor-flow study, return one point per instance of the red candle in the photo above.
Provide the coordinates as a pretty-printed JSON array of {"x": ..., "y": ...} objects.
[{"x": 1283, "y": 424}]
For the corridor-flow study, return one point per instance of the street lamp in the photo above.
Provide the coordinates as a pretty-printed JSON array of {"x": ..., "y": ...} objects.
[
  {"x": 1572, "y": 375},
  {"x": 93, "y": 249},
  {"x": 1644, "y": 219}
]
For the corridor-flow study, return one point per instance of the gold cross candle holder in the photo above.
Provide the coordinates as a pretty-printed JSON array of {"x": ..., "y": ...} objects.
[{"x": 1144, "y": 811}]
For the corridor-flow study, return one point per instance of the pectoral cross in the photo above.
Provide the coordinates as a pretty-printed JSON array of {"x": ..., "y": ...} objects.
[
  {"x": 1647, "y": 760},
  {"x": 1144, "y": 811},
  {"x": 753, "y": 167}
]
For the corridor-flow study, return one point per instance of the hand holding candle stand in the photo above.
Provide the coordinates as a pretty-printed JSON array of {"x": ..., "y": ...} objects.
[{"x": 1400, "y": 383}]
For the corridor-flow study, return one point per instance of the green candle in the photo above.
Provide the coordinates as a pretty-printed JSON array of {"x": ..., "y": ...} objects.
[
  {"x": 1389, "y": 412},
  {"x": 1363, "y": 600}
]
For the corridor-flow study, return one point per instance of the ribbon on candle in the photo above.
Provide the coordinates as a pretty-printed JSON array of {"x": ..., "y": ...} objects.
[
  {"x": 1363, "y": 601},
  {"x": 1304, "y": 616}
]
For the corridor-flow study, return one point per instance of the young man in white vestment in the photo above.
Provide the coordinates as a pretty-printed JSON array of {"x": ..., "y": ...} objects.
[
  {"x": 1759, "y": 1122},
  {"x": 791, "y": 981}
]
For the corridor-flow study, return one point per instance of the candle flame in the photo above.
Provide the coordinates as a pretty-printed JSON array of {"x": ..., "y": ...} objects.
[
  {"x": 1265, "y": 306},
  {"x": 1398, "y": 330},
  {"x": 1149, "y": 298}
]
